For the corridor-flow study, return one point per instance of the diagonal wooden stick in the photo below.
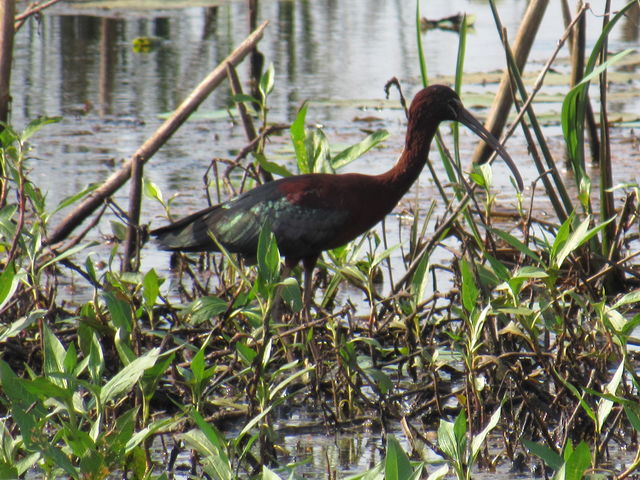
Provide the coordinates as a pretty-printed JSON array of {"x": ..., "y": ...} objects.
[{"x": 151, "y": 146}]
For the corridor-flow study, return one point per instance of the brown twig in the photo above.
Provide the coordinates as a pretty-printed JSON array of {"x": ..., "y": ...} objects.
[
  {"x": 33, "y": 9},
  {"x": 132, "y": 242}
]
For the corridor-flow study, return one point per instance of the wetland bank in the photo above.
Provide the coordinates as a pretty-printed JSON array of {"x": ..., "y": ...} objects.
[{"x": 493, "y": 336}]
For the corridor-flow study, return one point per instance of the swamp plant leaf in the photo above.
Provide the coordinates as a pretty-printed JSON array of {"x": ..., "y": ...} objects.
[
  {"x": 396, "y": 463},
  {"x": 469, "y": 288},
  {"x": 75, "y": 197},
  {"x": 578, "y": 237},
  {"x": 478, "y": 440},
  {"x": 150, "y": 288},
  {"x": 19, "y": 325},
  {"x": 267, "y": 82},
  {"x": 439, "y": 473},
  {"x": 571, "y": 123},
  {"x": 548, "y": 456},
  {"x": 605, "y": 405},
  {"x": 578, "y": 462},
  {"x": 320, "y": 152},
  {"x": 66, "y": 254},
  {"x": 125, "y": 379},
  {"x": 54, "y": 355},
  {"x": 8, "y": 284},
  {"x": 205, "y": 308},
  {"x": 268, "y": 258},
  {"x": 633, "y": 415},
  {"x": 8, "y": 471},
  {"x": 298, "y": 136},
  {"x": 216, "y": 461},
  {"x": 355, "y": 151},
  {"x": 627, "y": 299},
  {"x": 151, "y": 190},
  {"x": 271, "y": 167},
  {"x": 268, "y": 474},
  {"x": 164, "y": 424},
  {"x": 291, "y": 293},
  {"x": 35, "y": 125},
  {"x": 517, "y": 244},
  {"x": 447, "y": 439},
  {"x": 420, "y": 280}
]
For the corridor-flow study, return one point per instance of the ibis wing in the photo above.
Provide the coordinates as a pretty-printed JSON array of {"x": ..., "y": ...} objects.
[{"x": 300, "y": 230}]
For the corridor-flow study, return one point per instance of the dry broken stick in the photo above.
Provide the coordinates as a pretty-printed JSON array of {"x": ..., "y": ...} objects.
[
  {"x": 151, "y": 146},
  {"x": 32, "y": 9}
]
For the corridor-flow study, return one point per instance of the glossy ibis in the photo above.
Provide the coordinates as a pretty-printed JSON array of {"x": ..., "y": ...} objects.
[{"x": 315, "y": 212}]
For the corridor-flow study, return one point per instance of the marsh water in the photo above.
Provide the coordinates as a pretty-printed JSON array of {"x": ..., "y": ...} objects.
[{"x": 77, "y": 62}]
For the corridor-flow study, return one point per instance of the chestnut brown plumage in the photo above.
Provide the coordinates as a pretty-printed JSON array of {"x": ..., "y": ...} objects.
[{"x": 312, "y": 213}]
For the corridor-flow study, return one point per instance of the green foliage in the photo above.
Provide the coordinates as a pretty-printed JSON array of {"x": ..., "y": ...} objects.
[
  {"x": 452, "y": 440},
  {"x": 143, "y": 361}
]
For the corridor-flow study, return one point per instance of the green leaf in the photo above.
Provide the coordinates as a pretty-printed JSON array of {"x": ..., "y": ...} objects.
[
  {"x": 469, "y": 289},
  {"x": 120, "y": 311},
  {"x": 420, "y": 280},
  {"x": 245, "y": 352},
  {"x": 205, "y": 308},
  {"x": 268, "y": 474},
  {"x": 396, "y": 463},
  {"x": 589, "y": 411},
  {"x": 271, "y": 167},
  {"x": 244, "y": 98},
  {"x": 298, "y": 136},
  {"x": 216, "y": 462},
  {"x": 627, "y": 299},
  {"x": 478, "y": 440},
  {"x": 355, "y": 151},
  {"x": 268, "y": 258},
  {"x": 604, "y": 405},
  {"x": 447, "y": 439},
  {"x": 151, "y": 190},
  {"x": 578, "y": 462},
  {"x": 318, "y": 145},
  {"x": 125, "y": 379},
  {"x": 460, "y": 429},
  {"x": 67, "y": 253},
  {"x": 528, "y": 272},
  {"x": 45, "y": 388},
  {"x": 8, "y": 284},
  {"x": 7, "y": 471},
  {"x": 633, "y": 415},
  {"x": 440, "y": 473},
  {"x": 572, "y": 118},
  {"x": 35, "y": 125},
  {"x": 74, "y": 198},
  {"x": 165, "y": 424},
  {"x": 54, "y": 355},
  {"x": 517, "y": 244},
  {"x": 267, "y": 81},
  {"x": 579, "y": 237},
  {"x": 382, "y": 380},
  {"x": 19, "y": 325},
  {"x": 548, "y": 456},
  {"x": 291, "y": 293},
  {"x": 151, "y": 288}
]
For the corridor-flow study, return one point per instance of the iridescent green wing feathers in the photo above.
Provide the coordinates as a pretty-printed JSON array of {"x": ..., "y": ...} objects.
[{"x": 300, "y": 231}]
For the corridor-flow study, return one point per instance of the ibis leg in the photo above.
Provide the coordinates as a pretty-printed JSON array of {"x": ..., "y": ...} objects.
[{"x": 309, "y": 264}]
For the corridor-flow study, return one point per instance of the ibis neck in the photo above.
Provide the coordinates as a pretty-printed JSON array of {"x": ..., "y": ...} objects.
[{"x": 411, "y": 162}]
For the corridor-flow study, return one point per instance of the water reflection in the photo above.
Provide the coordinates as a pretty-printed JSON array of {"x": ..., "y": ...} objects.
[{"x": 81, "y": 65}]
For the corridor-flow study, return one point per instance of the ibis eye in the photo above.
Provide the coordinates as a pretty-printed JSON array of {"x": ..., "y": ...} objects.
[{"x": 453, "y": 106}]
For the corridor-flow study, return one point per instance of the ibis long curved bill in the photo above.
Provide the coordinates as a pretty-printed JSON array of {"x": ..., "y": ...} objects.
[{"x": 466, "y": 118}]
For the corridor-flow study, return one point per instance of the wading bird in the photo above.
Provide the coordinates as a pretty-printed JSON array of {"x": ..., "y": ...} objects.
[{"x": 315, "y": 212}]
